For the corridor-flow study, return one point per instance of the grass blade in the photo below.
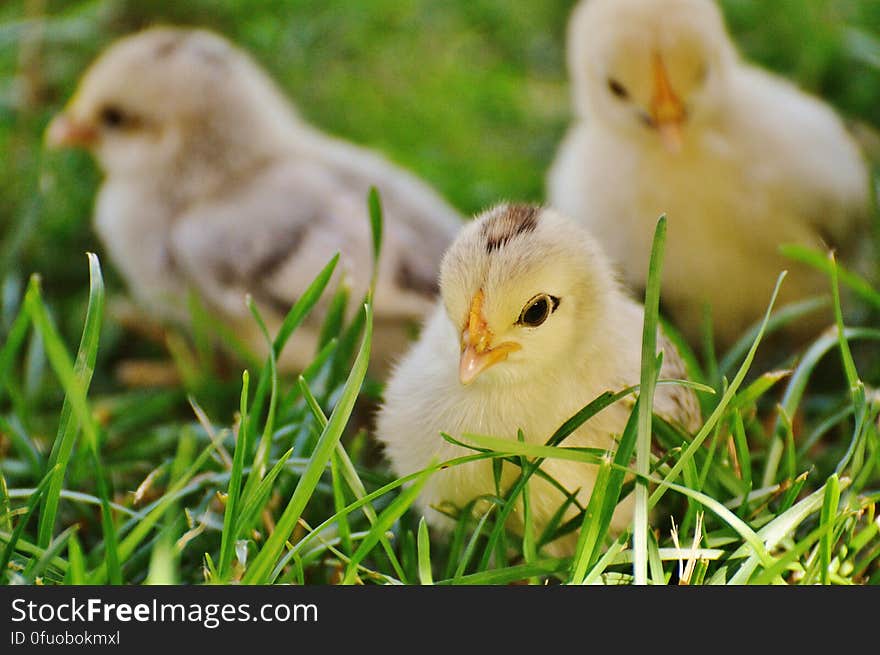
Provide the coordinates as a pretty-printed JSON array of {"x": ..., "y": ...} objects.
[
  {"x": 376, "y": 220},
  {"x": 510, "y": 574},
  {"x": 719, "y": 410},
  {"x": 19, "y": 528},
  {"x": 471, "y": 545},
  {"x": 849, "y": 366},
  {"x": 424, "y": 549},
  {"x": 528, "y": 541},
  {"x": 270, "y": 373},
  {"x": 229, "y": 537},
  {"x": 250, "y": 507},
  {"x": 339, "y": 502},
  {"x": 386, "y": 519},
  {"x": 5, "y": 507},
  {"x": 649, "y": 372},
  {"x": 608, "y": 558},
  {"x": 828, "y": 515},
  {"x": 14, "y": 341},
  {"x": 588, "y": 537},
  {"x": 49, "y": 555},
  {"x": 75, "y": 379},
  {"x": 775, "y": 531},
  {"x": 333, "y": 320},
  {"x": 76, "y": 571},
  {"x": 258, "y": 571},
  {"x": 523, "y": 449},
  {"x": 349, "y": 474},
  {"x": 304, "y": 305},
  {"x": 294, "y": 318}
]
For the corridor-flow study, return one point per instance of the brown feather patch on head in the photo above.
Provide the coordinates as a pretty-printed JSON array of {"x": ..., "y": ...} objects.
[
  {"x": 511, "y": 221},
  {"x": 191, "y": 43},
  {"x": 168, "y": 44}
]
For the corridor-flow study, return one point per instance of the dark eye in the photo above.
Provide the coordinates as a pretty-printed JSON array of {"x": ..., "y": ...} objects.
[
  {"x": 702, "y": 74},
  {"x": 537, "y": 310},
  {"x": 112, "y": 116},
  {"x": 617, "y": 89}
]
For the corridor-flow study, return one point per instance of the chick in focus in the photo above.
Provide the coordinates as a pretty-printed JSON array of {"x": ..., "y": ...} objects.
[
  {"x": 531, "y": 326},
  {"x": 670, "y": 119},
  {"x": 214, "y": 184}
]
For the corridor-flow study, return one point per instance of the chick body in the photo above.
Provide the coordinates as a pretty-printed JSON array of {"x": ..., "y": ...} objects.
[
  {"x": 759, "y": 164},
  {"x": 214, "y": 184},
  {"x": 595, "y": 347}
]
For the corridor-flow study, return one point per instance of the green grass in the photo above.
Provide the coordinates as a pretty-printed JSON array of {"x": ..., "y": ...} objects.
[
  {"x": 650, "y": 371},
  {"x": 245, "y": 475},
  {"x": 332, "y": 517}
]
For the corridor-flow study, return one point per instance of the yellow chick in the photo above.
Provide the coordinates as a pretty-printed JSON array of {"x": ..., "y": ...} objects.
[
  {"x": 670, "y": 119},
  {"x": 531, "y": 326}
]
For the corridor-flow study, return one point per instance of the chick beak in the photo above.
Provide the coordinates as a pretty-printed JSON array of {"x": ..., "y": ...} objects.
[
  {"x": 477, "y": 353},
  {"x": 65, "y": 132},
  {"x": 667, "y": 111}
]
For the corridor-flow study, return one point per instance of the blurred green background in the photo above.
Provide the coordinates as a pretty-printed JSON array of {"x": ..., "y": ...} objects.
[{"x": 469, "y": 94}]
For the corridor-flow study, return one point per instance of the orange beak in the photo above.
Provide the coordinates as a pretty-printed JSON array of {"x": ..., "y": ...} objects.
[
  {"x": 477, "y": 353},
  {"x": 667, "y": 111},
  {"x": 64, "y": 132}
]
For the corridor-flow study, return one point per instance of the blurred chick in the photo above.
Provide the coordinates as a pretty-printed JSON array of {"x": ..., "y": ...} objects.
[
  {"x": 671, "y": 120},
  {"x": 213, "y": 183},
  {"x": 531, "y": 326}
]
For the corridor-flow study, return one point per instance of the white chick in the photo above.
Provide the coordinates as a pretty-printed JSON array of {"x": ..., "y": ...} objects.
[
  {"x": 671, "y": 120},
  {"x": 213, "y": 183},
  {"x": 531, "y": 326}
]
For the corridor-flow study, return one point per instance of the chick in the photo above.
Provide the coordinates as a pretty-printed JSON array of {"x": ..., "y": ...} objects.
[
  {"x": 531, "y": 326},
  {"x": 671, "y": 120},
  {"x": 213, "y": 183}
]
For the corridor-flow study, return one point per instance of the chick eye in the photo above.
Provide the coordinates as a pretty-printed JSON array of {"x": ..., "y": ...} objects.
[
  {"x": 537, "y": 310},
  {"x": 702, "y": 74},
  {"x": 617, "y": 89},
  {"x": 112, "y": 116}
]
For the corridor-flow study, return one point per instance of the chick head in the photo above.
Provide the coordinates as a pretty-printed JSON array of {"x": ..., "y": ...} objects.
[
  {"x": 166, "y": 97},
  {"x": 652, "y": 69},
  {"x": 524, "y": 287}
]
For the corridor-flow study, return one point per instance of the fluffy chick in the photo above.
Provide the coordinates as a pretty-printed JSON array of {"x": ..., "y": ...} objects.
[
  {"x": 213, "y": 183},
  {"x": 531, "y": 326},
  {"x": 671, "y": 120}
]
